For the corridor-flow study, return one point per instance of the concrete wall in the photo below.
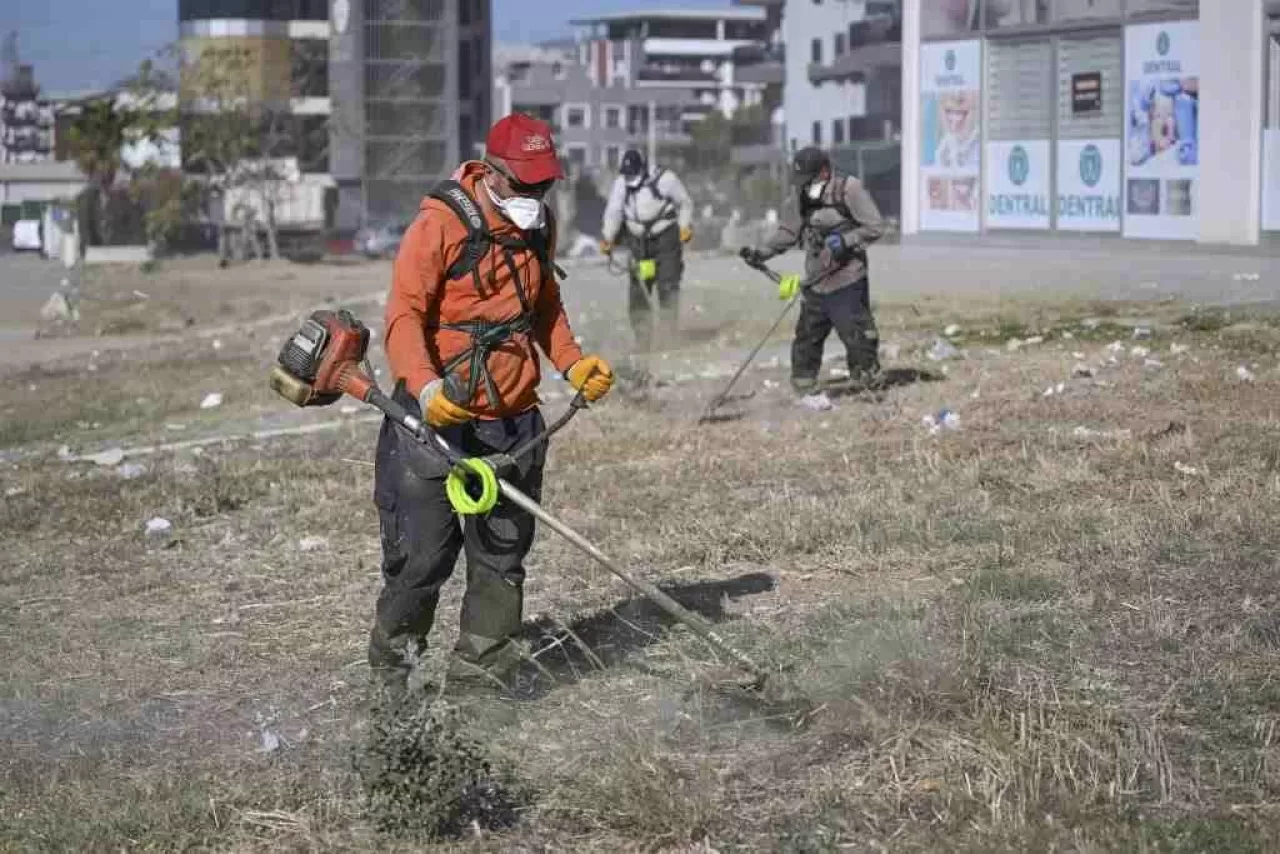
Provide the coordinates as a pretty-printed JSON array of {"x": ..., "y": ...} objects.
[
  {"x": 1232, "y": 49},
  {"x": 16, "y": 192},
  {"x": 805, "y": 102}
]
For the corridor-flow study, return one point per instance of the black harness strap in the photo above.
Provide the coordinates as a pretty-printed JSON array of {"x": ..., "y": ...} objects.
[
  {"x": 664, "y": 213},
  {"x": 487, "y": 336}
]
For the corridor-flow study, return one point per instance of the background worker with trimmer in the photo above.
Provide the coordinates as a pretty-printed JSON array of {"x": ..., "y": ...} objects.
[
  {"x": 658, "y": 214},
  {"x": 835, "y": 220},
  {"x": 473, "y": 293}
]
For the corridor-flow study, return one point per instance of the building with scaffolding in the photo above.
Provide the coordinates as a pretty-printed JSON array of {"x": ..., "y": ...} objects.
[
  {"x": 411, "y": 89},
  {"x": 386, "y": 95}
]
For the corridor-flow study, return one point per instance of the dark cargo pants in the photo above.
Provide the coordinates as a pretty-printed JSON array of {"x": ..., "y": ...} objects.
[
  {"x": 422, "y": 537},
  {"x": 667, "y": 251},
  {"x": 848, "y": 312}
]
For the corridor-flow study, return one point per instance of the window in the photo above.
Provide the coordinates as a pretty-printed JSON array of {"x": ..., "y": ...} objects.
[
  {"x": 1139, "y": 7},
  {"x": 464, "y": 69},
  {"x": 464, "y": 137},
  {"x": 577, "y": 155},
  {"x": 837, "y": 131},
  {"x": 575, "y": 117},
  {"x": 815, "y": 51},
  {"x": 557, "y": 70},
  {"x": 612, "y": 118},
  {"x": 746, "y": 31},
  {"x": 1016, "y": 13},
  {"x": 839, "y": 44},
  {"x": 1071, "y": 10},
  {"x": 817, "y": 133},
  {"x": 310, "y": 68},
  {"x": 464, "y": 13},
  {"x": 612, "y": 157},
  {"x": 948, "y": 18}
]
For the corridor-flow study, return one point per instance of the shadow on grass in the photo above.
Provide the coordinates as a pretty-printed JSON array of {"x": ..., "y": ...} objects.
[
  {"x": 566, "y": 653},
  {"x": 890, "y": 378}
]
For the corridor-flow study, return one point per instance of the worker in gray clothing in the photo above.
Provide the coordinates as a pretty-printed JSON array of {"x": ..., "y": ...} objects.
[
  {"x": 658, "y": 214},
  {"x": 835, "y": 220}
]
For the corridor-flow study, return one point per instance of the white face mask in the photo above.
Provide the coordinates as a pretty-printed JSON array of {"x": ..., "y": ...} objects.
[
  {"x": 526, "y": 213},
  {"x": 815, "y": 190},
  {"x": 635, "y": 181}
]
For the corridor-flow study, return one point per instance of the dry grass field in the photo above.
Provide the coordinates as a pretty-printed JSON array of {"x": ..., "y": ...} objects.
[{"x": 1052, "y": 628}]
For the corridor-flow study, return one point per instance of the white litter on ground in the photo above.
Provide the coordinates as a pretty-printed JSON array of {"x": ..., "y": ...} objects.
[
  {"x": 158, "y": 525},
  {"x": 816, "y": 402},
  {"x": 212, "y": 400}
]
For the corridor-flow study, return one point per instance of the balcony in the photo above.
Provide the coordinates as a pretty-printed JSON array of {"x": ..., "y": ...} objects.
[
  {"x": 859, "y": 63},
  {"x": 875, "y": 42},
  {"x": 657, "y": 74}
]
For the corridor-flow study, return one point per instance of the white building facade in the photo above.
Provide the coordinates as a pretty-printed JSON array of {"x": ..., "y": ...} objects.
[
  {"x": 842, "y": 71},
  {"x": 679, "y": 48},
  {"x": 1141, "y": 119}
]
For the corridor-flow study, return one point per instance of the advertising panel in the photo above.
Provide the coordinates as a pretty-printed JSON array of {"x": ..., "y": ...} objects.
[
  {"x": 1018, "y": 184},
  {"x": 1089, "y": 185},
  {"x": 951, "y": 137},
  {"x": 1162, "y": 84}
]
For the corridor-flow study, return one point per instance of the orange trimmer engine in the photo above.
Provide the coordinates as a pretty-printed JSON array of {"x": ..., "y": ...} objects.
[{"x": 322, "y": 361}]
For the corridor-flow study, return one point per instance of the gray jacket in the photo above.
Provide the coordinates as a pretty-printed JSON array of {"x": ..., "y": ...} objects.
[
  {"x": 860, "y": 228},
  {"x": 644, "y": 206}
]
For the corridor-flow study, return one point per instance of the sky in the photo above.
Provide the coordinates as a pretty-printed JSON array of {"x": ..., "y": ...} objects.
[{"x": 85, "y": 44}]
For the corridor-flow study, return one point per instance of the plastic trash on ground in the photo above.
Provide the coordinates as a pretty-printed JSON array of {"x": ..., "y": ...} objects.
[
  {"x": 942, "y": 350},
  {"x": 816, "y": 402}
]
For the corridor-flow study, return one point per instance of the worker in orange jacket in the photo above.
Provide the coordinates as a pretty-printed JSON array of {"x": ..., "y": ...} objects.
[{"x": 474, "y": 296}]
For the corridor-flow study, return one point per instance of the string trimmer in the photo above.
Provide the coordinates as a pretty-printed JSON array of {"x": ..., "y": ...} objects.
[
  {"x": 789, "y": 287},
  {"x": 322, "y": 362}
]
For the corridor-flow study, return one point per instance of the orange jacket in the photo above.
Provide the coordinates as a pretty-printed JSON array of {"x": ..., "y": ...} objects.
[{"x": 422, "y": 298}]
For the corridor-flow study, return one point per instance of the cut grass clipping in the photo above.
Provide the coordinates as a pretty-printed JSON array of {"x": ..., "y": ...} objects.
[{"x": 425, "y": 778}]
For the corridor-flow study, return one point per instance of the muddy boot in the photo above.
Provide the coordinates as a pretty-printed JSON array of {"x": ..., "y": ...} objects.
[
  {"x": 804, "y": 386},
  {"x": 492, "y": 673}
]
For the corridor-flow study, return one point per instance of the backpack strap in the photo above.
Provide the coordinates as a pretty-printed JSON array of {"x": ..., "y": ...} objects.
[
  {"x": 479, "y": 239},
  {"x": 486, "y": 336},
  {"x": 651, "y": 182}
]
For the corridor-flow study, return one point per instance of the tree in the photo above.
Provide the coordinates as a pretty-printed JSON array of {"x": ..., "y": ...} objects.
[
  {"x": 241, "y": 138},
  {"x": 100, "y": 131}
]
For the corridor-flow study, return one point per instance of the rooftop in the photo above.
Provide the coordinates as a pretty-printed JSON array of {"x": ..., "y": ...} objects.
[{"x": 735, "y": 14}]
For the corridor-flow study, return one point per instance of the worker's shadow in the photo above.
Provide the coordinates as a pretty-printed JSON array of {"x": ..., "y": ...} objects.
[
  {"x": 890, "y": 378},
  {"x": 563, "y": 654}
]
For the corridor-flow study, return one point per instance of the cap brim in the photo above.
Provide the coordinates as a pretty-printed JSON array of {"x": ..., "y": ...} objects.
[{"x": 536, "y": 170}]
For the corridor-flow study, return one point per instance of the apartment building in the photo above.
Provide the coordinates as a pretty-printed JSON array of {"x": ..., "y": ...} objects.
[
  {"x": 686, "y": 49},
  {"x": 596, "y": 116},
  {"x": 26, "y": 119}
]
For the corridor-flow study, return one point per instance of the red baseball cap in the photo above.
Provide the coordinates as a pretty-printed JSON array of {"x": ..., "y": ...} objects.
[{"x": 526, "y": 145}]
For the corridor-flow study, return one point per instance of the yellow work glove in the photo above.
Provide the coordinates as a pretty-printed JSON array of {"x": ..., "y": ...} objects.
[
  {"x": 592, "y": 376},
  {"x": 606, "y": 247},
  {"x": 438, "y": 410},
  {"x": 686, "y": 233},
  {"x": 788, "y": 287}
]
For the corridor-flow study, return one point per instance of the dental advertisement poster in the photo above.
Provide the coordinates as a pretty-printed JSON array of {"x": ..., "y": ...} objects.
[
  {"x": 1162, "y": 84},
  {"x": 1018, "y": 184},
  {"x": 1089, "y": 184},
  {"x": 951, "y": 136}
]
